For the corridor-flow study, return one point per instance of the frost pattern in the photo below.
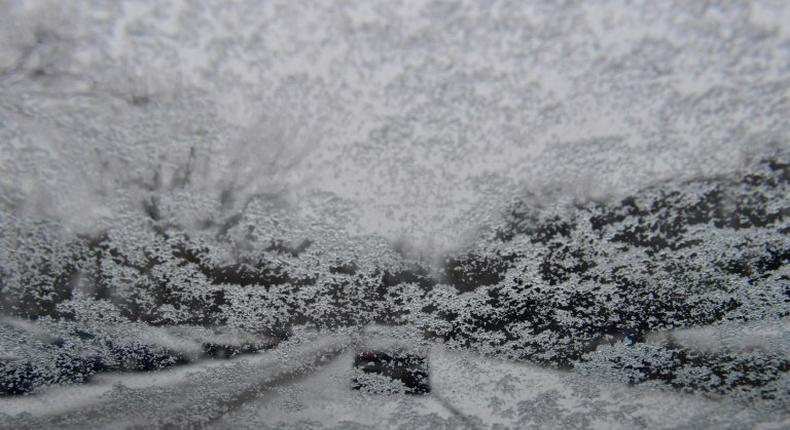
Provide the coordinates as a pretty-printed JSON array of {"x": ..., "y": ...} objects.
[{"x": 578, "y": 209}]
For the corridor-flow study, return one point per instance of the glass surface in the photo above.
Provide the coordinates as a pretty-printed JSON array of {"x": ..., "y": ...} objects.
[{"x": 394, "y": 214}]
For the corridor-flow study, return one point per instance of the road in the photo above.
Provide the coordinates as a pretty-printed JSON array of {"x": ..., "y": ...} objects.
[{"x": 307, "y": 385}]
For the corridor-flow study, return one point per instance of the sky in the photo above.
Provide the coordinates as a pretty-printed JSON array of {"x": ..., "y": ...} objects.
[{"x": 418, "y": 120}]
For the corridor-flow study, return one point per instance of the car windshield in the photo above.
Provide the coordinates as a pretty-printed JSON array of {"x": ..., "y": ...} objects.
[{"x": 423, "y": 214}]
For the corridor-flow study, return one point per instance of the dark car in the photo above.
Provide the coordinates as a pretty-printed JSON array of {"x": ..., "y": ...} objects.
[
  {"x": 410, "y": 368},
  {"x": 386, "y": 363}
]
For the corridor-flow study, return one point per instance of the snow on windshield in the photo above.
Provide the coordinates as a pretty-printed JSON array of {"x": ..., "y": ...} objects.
[{"x": 416, "y": 214}]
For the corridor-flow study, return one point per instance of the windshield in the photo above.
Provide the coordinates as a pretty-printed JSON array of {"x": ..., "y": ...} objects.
[{"x": 394, "y": 214}]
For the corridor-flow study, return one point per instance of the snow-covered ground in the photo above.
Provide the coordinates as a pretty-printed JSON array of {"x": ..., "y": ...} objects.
[
  {"x": 313, "y": 390},
  {"x": 193, "y": 395},
  {"x": 470, "y": 391}
]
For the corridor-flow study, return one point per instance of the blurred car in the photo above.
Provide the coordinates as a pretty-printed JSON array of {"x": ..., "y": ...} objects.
[{"x": 385, "y": 363}]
